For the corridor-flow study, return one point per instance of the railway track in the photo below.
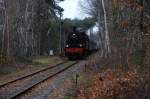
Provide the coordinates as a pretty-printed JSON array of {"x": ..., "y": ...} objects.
[
  {"x": 25, "y": 76},
  {"x": 20, "y": 86}
]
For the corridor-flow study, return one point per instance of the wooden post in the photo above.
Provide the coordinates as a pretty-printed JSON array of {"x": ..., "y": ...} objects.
[
  {"x": 76, "y": 84},
  {"x": 85, "y": 67}
]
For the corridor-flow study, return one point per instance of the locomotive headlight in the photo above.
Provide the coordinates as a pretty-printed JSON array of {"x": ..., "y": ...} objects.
[
  {"x": 67, "y": 45},
  {"x": 80, "y": 45}
]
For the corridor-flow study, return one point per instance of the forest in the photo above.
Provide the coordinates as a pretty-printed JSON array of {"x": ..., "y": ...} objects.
[
  {"x": 124, "y": 33},
  {"x": 24, "y": 26},
  {"x": 31, "y": 28},
  {"x": 122, "y": 26},
  {"x": 27, "y": 26}
]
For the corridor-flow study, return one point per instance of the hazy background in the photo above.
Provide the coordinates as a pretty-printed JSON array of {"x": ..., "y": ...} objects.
[{"x": 72, "y": 9}]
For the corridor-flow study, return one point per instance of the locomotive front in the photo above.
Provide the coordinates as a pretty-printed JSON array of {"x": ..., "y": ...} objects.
[{"x": 76, "y": 45}]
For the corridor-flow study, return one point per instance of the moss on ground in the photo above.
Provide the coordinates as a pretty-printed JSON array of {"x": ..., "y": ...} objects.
[{"x": 46, "y": 60}]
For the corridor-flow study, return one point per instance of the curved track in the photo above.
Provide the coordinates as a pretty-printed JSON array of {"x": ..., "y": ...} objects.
[
  {"x": 20, "y": 86},
  {"x": 25, "y": 76}
]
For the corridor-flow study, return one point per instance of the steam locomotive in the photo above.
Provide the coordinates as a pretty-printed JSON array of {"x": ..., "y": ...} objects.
[{"x": 77, "y": 44}]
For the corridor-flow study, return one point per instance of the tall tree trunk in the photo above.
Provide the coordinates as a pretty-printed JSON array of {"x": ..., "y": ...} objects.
[
  {"x": 141, "y": 23},
  {"x": 101, "y": 34},
  {"x": 3, "y": 35},
  {"x": 107, "y": 41}
]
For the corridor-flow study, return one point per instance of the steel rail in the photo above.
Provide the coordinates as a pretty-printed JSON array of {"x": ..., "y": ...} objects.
[
  {"x": 37, "y": 72},
  {"x": 19, "y": 94}
]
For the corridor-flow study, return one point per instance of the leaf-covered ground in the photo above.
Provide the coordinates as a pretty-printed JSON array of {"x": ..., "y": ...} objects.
[
  {"x": 116, "y": 84},
  {"x": 115, "y": 81},
  {"x": 108, "y": 82}
]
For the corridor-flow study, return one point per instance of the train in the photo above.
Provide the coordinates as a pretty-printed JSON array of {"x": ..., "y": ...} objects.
[{"x": 78, "y": 44}]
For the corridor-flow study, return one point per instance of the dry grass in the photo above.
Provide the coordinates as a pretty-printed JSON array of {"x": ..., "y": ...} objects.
[
  {"x": 15, "y": 70},
  {"x": 46, "y": 60}
]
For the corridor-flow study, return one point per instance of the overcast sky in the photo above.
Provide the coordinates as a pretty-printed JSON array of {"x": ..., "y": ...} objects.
[{"x": 72, "y": 9}]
